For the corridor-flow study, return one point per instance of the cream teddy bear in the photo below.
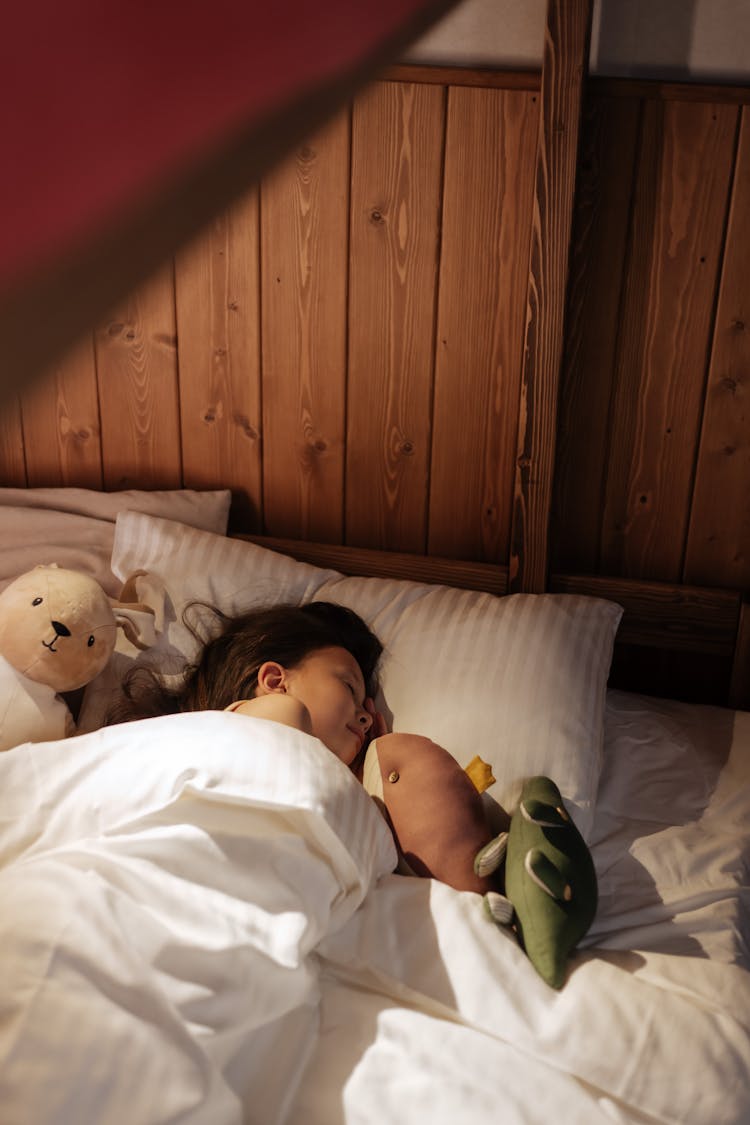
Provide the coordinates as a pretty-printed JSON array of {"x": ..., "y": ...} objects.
[{"x": 57, "y": 632}]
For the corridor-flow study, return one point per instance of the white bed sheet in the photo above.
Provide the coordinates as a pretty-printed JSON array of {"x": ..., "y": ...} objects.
[
  {"x": 199, "y": 924},
  {"x": 671, "y": 839}
]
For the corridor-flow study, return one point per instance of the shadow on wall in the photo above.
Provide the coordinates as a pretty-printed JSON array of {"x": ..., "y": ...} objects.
[{"x": 643, "y": 39}]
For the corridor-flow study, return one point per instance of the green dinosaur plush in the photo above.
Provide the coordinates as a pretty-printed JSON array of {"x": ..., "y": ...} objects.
[{"x": 550, "y": 880}]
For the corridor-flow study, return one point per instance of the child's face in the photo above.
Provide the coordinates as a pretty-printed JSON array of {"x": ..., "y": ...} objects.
[{"x": 329, "y": 682}]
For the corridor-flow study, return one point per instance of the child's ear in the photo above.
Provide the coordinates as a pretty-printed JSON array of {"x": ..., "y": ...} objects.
[{"x": 271, "y": 678}]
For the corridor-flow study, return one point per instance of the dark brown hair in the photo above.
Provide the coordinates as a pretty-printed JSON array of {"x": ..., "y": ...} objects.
[{"x": 227, "y": 667}]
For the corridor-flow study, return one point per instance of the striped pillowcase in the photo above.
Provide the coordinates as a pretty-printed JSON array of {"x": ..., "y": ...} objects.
[{"x": 519, "y": 680}]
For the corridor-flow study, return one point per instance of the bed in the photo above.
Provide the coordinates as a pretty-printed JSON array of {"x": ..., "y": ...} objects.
[
  {"x": 200, "y": 920},
  {"x": 472, "y": 360}
]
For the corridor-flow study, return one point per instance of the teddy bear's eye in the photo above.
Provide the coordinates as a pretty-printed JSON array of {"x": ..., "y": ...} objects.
[
  {"x": 91, "y": 640},
  {"x": 37, "y": 601}
]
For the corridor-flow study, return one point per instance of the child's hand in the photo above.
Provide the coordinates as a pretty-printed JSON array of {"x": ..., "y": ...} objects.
[{"x": 379, "y": 726}]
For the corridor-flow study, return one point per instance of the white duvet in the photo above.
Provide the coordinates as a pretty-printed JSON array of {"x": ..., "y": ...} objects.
[{"x": 198, "y": 924}]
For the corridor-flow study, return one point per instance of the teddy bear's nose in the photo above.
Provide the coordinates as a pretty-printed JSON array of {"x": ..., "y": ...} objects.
[{"x": 60, "y": 629}]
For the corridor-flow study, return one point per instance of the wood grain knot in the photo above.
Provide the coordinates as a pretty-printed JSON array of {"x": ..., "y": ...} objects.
[
  {"x": 245, "y": 425},
  {"x": 233, "y": 305},
  {"x": 320, "y": 446},
  {"x": 376, "y": 216},
  {"x": 407, "y": 448},
  {"x": 307, "y": 153},
  {"x": 115, "y": 328},
  {"x": 738, "y": 325},
  {"x": 209, "y": 416},
  {"x": 729, "y": 384}
]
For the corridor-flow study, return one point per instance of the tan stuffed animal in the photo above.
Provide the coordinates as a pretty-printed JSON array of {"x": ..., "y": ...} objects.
[
  {"x": 433, "y": 807},
  {"x": 57, "y": 632}
]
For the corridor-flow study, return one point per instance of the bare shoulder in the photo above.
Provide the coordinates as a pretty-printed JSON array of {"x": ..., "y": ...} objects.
[{"x": 278, "y": 708}]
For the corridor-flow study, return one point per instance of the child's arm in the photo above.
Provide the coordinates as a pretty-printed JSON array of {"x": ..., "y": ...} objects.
[{"x": 278, "y": 708}]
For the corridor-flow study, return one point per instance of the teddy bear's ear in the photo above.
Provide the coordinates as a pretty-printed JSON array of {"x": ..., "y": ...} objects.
[
  {"x": 136, "y": 621},
  {"x": 135, "y": 618},
  {"x": 129, "y": 591}
]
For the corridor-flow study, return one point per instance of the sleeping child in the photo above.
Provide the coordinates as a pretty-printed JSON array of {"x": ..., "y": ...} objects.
[{"x": 313, "y": 667}]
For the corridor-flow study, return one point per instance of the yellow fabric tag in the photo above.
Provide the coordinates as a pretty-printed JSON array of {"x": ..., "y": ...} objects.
[{"x": 480, "y": 774}]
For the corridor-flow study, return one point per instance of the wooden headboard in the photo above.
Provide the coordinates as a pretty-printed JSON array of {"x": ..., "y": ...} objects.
[{"x": 347, "y": 350}]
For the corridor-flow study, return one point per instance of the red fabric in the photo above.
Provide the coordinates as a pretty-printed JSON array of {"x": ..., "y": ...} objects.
[{"x": 101, "y": 101}]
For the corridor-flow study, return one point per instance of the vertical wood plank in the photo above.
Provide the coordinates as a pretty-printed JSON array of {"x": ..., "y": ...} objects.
[
  {"x": 61, "y": 423},
  {"x": 489, "y": 176},
  {"x": 12, "y": 463},
  {"x": 136, "y": 354},
  {"x": 304, "y": 237},
  {"x": 739, "y": 685},
  {"x": 600, "y": 231},
  {"x": 676, "y": 237},
  {"x": 718, "y": 550},
  {"x": 218, "y": 334},
  {"x": 397, "y": 142},
  {"x": 565, "y": 58}
]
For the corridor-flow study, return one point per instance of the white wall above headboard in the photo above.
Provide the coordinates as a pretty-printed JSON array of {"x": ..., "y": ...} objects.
[{"x": 704, "y": 40}]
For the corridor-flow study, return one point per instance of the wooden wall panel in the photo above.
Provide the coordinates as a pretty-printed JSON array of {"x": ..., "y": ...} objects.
[
  {"x": 304, "y": 246},
  {"x": 718, "y": 550},
  {"x": 397, "y": 154},
  {"x": 350, "y": 343},
  {"x": 489, "y": 176},
  {"x": 61, "y": 423},
  {"x": 12, "y": 453},
  {"x": 565, "y": 57},
  {"x": 675, "y": 246},
  {"x": 598, "y": 253},
  {"x": 138, "y": 397},
  {"x": 218, "y": 333}
]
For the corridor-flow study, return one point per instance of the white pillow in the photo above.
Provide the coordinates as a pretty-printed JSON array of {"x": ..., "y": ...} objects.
[
  {"x": 183, "y": 566},
  {"x": 518, "y": 680},
  {"x": 74, "y": 527}
]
